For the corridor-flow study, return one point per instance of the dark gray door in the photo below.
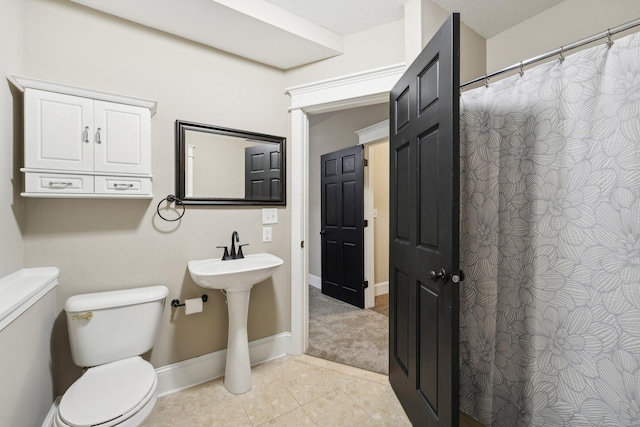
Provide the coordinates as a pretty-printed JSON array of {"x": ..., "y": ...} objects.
[
  {"x": 424, "y": 264},
  {"x": 262, "y": 172},
  {"x": 342, "y": 225}
]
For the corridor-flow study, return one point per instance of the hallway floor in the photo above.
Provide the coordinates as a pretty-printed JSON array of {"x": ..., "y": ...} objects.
[{"x": 290, "y": 391}]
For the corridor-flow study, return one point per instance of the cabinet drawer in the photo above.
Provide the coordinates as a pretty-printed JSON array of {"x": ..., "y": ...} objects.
[
  {"x": 58, "y": 183},
  {"x": 122, "y": 185}
]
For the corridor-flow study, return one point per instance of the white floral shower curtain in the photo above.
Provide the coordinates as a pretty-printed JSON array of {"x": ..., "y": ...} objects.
[{"x": 550, "y": 243}]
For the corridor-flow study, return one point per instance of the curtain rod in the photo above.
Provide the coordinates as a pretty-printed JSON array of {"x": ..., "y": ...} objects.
[{"x": 560, "y": 51}]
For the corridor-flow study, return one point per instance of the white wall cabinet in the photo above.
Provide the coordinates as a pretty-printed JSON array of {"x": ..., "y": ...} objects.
[{"x": 83, "y": 143}]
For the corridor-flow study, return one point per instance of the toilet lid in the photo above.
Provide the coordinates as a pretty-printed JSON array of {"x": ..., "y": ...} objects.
[{"x": 108, "y": 392}]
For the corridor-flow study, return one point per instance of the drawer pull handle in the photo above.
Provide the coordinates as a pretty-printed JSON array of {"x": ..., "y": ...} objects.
[
  {"x": 59, "y": 183},
  {"x": 85, "y": 134},
  {"x": 116, "y": 185},
  {"x": 84, "y": 316},
  {"x": 99, "y": 139}
]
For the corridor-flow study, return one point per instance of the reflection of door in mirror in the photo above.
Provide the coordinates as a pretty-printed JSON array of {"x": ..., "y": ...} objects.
[
  {"x": 215, "y": 168},
  {"x": 262, "y": 172},
  {"x": 222, "y": 166}
]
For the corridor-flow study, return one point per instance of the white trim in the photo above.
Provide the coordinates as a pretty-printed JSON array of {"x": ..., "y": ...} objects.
[
  {"x": 191, "y": 372},
  {"x": 22, "y": 289},
  {"x": 23, "y": 83},
  {"x": 315, "y": 281},
  {"x": 369, "y": 137},
  {"x": 358, "y": 89},
  {"x": 374, "y": 133},
  {"x": 369, "y": 232},
  {"x": 346, "y": 92},
  {"x": 382, "y": 288},
  {"x": 299, "y": 231}
]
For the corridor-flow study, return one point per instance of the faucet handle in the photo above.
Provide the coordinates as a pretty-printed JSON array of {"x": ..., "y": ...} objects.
[
  {"x": 240, "y": 254},
  {"x": 225, "y": 256}
]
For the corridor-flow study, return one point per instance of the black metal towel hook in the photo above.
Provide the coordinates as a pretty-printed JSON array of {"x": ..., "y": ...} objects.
[{"x": 171, "y": 198}]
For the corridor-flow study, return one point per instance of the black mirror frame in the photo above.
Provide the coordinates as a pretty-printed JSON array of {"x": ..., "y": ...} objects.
[{"x": 182, "y": 126}]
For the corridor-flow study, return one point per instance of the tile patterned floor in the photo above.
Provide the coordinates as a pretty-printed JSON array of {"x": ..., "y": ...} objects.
[{"x": 290, "y": 391}]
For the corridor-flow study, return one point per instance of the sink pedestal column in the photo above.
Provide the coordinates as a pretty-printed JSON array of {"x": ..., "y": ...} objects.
[{"x": 237, "y": 373}]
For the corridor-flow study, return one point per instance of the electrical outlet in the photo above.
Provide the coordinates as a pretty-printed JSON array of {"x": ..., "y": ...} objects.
[
  {"x": 269, "y": 216},
  {"x": 266, "y": 234}
]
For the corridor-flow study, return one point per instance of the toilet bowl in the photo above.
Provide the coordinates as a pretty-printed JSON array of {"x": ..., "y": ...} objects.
[
  {"x": 108, "y": 331},
  {"x": 120, "y": 393}
]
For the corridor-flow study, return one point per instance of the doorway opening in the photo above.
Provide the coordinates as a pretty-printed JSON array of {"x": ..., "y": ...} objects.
[
  {"x": 331, "y": 337},
  {"x": 356, "y": 90}
]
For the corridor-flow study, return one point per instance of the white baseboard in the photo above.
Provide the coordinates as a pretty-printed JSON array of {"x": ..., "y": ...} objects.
[
  {"x": 190, "y": 372},
  {"x": 381, "y": 288},
  {"x": 315, "y": 281}
]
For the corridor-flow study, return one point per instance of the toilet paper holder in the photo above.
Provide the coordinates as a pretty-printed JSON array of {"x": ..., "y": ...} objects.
[{"x": 176, "y": 302}]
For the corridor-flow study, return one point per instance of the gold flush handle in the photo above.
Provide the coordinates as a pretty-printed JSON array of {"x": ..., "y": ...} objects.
[{"x": 86, "y": 316}]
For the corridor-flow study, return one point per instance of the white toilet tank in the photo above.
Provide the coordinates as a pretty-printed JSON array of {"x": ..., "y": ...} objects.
[{"x": 109, "y": 326}]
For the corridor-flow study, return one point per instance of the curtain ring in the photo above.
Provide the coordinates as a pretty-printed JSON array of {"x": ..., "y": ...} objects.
[
  {"x": 561, "y": 59},
  {"x": 521, "y": 69},
  {"x": 609, "y": 41}
]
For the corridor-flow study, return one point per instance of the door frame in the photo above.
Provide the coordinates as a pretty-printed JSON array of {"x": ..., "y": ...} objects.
[
  {"x": 368, "y": 137},
  {"x": 355, "y": 90}
]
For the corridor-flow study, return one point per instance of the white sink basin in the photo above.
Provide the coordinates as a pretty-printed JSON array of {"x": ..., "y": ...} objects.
[
  {"x": 234, "y": 274},
  {"x": 236, "y": 277}
]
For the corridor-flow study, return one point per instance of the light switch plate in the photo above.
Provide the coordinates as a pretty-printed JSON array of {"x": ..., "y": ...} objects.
[
  {"x": 269, "y": 216},
  {"x": 266, "y": 234}
]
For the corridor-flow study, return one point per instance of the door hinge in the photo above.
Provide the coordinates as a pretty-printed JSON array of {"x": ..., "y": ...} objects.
[
  {"x": 366, "y": 223},
  {"x": 365, "y": 162},
  {"x": 365, "y": 284}
]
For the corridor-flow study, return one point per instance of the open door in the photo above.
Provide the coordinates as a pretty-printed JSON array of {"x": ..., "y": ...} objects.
[
  {"x": 342, "y": 225},
  {"x": 424, "y": 216}
]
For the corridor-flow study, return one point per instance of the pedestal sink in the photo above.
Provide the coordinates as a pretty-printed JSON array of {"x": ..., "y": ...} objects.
[{"x": 236, "y": 277}]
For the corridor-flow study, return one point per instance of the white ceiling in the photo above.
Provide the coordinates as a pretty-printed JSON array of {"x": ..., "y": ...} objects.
[
  {"x": 486, "y": 17},
  {"x": 345, "y": 16},
  {"x": 290, "y": 33},
  {"x": 490, "y": 17}
]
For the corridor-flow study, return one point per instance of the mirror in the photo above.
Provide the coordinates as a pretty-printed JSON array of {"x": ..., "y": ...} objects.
[{"x": 221, "y": 166}]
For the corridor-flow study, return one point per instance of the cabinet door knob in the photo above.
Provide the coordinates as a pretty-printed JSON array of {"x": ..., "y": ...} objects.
[{"x": 98, "y": 137}]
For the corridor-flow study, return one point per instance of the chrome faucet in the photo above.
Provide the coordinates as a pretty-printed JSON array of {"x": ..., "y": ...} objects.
[{"x": 233, "y": 255}]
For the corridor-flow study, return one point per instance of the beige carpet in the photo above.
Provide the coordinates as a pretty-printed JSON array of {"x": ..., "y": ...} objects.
[
  {"x": 382, "y": 304},
  {"x": 346, "y": 334}
]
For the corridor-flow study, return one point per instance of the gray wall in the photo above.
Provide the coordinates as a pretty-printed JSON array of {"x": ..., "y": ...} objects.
[
  {"x": 331, "y": 132},
  {"x": 11, "y": 217},
  {"x": 113, "y": 244},
  {"x": 567, "y": 22}
]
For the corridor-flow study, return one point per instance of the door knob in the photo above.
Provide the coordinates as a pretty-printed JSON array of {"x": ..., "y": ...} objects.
[
  {"x": 439, "y": 275},
  {"x": 323, "y": 232}
]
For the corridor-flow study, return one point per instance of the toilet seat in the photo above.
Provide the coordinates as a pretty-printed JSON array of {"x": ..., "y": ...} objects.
[{"x": 109, "y": 394}]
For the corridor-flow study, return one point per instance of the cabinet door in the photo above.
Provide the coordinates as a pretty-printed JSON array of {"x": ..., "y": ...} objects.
[
  {"x": 122, "y": 138},
  {"x": 58, "y": 131}
]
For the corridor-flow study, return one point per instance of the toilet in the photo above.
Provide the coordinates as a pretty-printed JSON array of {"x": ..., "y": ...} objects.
[{"x": 108, "y": 331}]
